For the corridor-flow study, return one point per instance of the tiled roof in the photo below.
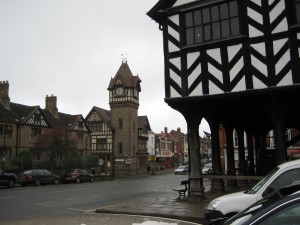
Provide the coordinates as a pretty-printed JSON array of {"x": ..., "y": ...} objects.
[
  {"x": 7, "y": 115},
  {"x": 126, "y": 76},
  {"x": 21, "y": 113},
  {"x": 105, "y": 114},
  {"x": 143, "y": 122}
]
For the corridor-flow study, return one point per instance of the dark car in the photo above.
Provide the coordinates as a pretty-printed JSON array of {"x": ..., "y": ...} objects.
[
  {"x": 7, "y": 179},
  {"x": 280, "y": 207},
  {"x": 78, "y": 175},
  {"x": 37, "y": 177}
]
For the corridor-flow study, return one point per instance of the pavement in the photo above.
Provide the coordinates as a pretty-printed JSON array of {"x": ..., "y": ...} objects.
[{"x": 167, "y": 205}]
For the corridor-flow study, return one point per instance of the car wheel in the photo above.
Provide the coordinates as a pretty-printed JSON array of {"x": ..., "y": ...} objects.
[
  {"x": 56, "y": 181},
  {"x": 92, "y": 179},
  {"x": 37, "y": 182},
  {"x": 77, "y": 180},
  {"x": 11, "y": 183}
]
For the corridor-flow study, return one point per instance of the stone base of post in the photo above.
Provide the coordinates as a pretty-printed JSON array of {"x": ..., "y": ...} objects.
[
  {"x": 217, "y": 185},
  {"x": 196, "y": 187},
  {"x": 231, "y": 183}
]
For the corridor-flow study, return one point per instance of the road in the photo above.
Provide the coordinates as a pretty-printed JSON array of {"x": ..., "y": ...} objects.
[{"x": 70, "y": 199}]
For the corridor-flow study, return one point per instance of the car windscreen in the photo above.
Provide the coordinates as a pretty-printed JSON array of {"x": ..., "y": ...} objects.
[{"x": 258, "y": 186}]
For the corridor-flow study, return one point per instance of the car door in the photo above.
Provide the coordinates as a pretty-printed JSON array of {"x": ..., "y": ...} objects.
[
  {"x": 48, "y": 178},
  {"x": 85, "y": 174},
  {"x": 2, "y": 177},
  {"x": 82, "y": 175}
]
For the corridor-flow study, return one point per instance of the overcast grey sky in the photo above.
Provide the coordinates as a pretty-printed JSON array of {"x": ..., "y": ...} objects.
[{"x": 72, "y": 48}]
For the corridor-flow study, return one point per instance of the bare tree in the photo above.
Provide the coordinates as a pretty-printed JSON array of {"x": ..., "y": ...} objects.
[{"x": 57, "y": 144}]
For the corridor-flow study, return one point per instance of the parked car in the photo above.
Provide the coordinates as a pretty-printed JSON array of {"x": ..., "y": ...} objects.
[
  {"x": 37, "y": 177},
  {"x": 181, "y": 170},
  {"x": 228, "y": 205},
  {"x": 207, "y": 168},
  {"x": 279, "y": 207},
  {"x": 78, "y": 175},
  {"x": 7, "y": 179}
]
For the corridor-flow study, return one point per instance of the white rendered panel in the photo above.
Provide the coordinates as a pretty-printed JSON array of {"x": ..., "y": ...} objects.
[
  {"x": 174, "y": 19},
  {"x": 282, "y": 26},
  {"x": 232, "y": 50},
  {"x": 259, "y": 65},
  {"x": 213, "y": 89},
  {"x": 285, "y": 59},
  {"x": 271, "y": 2},
  {"x": 191, "y": 58},
  {"x": 193, "y": 76},
  {"x": 175, "y": 77},
  {"x": 253, "y": 32},
  {"x": 172, "y": 47},
  {"x": 255, "y": 15},
  {"x": 260, "y": 47},
  {"x": 173, "y": 33},
  {"x": 176, "y": 62},
  {"x": 197, "y": 91},
  {"x": 240, "y": 86},
  {"x": 257, "y": 2},
  {"x": 215, "y": 54},
  {"x": 257, "y": 84},
  {"x": 287, "y": 80},
  {"x": 237, "y": 68},
  {"x": 215, "y": 72},
  {"x": 174, "y": 93},
  {"x": 279, "y": 44},
  {"x": 181, "y": 2}
]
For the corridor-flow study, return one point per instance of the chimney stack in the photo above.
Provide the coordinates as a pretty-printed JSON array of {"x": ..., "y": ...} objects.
[
  {"x": 51, "y": 105},
  {"x": 4, "y": 97},
  {"x": 166, "y": 130}
]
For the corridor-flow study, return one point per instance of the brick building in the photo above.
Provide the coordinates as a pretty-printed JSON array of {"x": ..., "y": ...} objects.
[{"x": 21, "y": 125}]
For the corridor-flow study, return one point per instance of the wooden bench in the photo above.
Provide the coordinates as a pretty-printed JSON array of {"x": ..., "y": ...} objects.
[{"x": 182, "y": 191}]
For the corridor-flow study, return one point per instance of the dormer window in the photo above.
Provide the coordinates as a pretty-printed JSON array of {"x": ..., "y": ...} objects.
[{"x": 211, "y": 23}]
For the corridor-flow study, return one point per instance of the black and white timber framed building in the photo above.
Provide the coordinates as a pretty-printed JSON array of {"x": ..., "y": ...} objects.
[{"x": 235, "y": 63}]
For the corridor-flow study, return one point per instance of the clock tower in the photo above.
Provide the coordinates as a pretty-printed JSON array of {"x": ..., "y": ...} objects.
[{"x": 124, "y": 91}]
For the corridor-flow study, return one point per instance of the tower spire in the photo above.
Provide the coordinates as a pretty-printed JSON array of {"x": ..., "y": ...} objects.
[{"x": 124, "y": 58}]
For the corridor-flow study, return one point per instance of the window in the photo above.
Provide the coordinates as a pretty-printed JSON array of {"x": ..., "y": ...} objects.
[
  {"x": 101, "y": 143},
  {"x": 35, "y": 132},
  {"x": 95, "y": 126},
  {"x": 212, "y": 23},
  {"x": 120, "y": 148},
  {"x": 120, "y": 123},
  {"x": 297, "y": 3},
  {"x": 79, "y": 137},
  {"x": 80, "y": 125},
  {"x": 235, "y": 139},
  {"x": 37, "y": 117},
  {"x": 5, "y": 130}
]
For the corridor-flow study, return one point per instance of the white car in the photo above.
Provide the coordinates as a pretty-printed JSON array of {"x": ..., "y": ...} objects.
[
  {"x": 181, "y": 170},
  {"x": 228, "y": 205},
  {"x": 207, "y": 168}
]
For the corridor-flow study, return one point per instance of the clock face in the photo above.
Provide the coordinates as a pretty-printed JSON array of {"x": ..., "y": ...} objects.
[{"x": 119, "y": 91}]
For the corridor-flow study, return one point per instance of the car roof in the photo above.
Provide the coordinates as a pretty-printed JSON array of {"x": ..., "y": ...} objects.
[{"x": 290, "y": 163}]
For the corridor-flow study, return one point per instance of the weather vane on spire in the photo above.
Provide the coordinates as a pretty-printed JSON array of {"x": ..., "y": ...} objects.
[{"x": 124, "y": 58}]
